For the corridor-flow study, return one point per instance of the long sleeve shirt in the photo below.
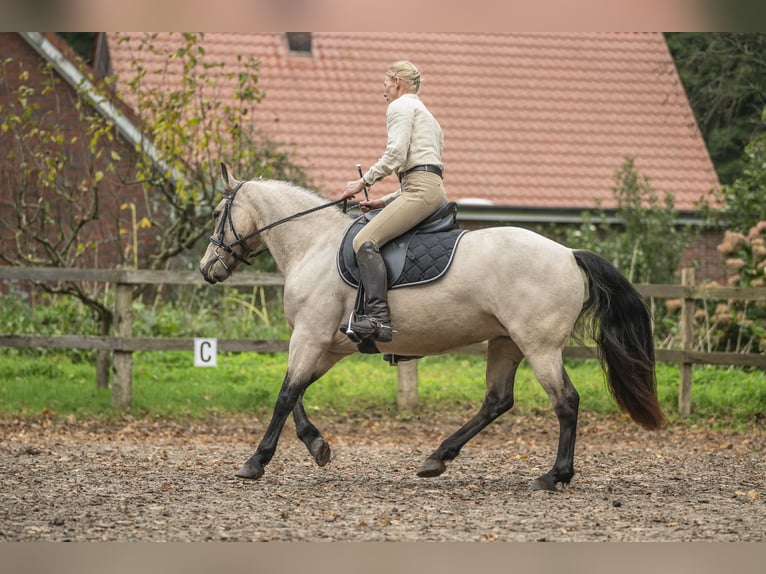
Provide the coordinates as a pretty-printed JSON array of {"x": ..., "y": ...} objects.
[{"x": 414, "y": 138}]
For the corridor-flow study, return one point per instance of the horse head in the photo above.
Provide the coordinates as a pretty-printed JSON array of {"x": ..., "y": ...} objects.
[{"x": 234, "y": 233}]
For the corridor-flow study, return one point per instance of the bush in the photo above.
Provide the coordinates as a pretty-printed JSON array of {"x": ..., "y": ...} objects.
[
  {"x": 741, "y": 325},
  {"x": 646, "y": 246},
  {"x": 186, "y": 311}
]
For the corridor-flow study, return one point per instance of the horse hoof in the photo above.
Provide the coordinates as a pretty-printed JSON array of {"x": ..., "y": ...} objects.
[
  {"x": 543, "y": 483},
  {"x": 431, "y": 468},
  {"x": 320, "y": 450},
  {"x": 250, "y": 471}
]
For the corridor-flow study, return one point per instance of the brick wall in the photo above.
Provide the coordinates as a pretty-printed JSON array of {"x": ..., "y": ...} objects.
[
  {"x": 704, "y": 257},
  {"x": 58, "y": 108}
]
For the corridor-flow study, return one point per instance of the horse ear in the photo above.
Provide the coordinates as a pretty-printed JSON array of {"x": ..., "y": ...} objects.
[{"x": 228, "y": 180}]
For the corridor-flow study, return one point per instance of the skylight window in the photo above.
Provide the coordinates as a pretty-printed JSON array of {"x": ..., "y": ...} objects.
[{"x": 299, "y": 42}]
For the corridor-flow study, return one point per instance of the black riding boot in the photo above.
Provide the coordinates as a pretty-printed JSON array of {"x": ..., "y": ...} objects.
[{"x": 376, "y": 320}]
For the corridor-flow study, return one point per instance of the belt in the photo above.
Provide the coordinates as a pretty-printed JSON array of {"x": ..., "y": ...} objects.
[{"x": 431, "y": 168}]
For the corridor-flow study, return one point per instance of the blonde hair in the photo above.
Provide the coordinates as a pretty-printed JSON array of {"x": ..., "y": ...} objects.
[{"x": 407, "y": 72}]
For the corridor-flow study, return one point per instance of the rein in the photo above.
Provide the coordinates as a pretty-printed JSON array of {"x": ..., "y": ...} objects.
[{"x": 217, "y": 238}]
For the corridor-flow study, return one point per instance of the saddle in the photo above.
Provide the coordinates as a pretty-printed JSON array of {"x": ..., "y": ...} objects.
[{"x": 418, "y": 256}]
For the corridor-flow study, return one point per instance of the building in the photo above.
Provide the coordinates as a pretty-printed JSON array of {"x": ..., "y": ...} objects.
[{"x": 536, "y": 125}]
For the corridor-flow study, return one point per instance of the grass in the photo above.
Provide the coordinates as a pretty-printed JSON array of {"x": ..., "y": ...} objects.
[{"x": 168, "y": 385}]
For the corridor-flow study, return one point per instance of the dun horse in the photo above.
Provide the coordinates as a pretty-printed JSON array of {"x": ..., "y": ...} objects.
[{"x": 517, "y": 290}]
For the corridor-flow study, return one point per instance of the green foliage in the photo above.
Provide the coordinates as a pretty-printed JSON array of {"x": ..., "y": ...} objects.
[
  {"x": 741, "y": 325},
  {"x": 185, "y": 311},
  {"x": 193, "y": 130},
  {"x": 740, "y": 205},
  {"x": 724, "y": 75},
  {"x": 51, "y": 209},
  {"x": 167, "y": 385},
  {"x": 191, "y": 126},
  {"x": 143, "y": 209},
  {"x": 736, "y": 325},
  {"x": 647, "y": 244}
]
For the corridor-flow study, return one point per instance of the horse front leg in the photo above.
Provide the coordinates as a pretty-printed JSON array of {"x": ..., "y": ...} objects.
[
  {"x": 309, "y": 358},
  {"x": 318, "y": 447},
  {"x": 289, "y": 395},
  {"x": 309, "y": 434}
]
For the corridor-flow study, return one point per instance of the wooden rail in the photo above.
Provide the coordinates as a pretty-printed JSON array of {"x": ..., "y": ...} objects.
[{"x": 123, "y": 343}]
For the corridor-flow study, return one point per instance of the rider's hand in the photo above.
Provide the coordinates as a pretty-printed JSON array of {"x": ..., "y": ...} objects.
[
  {"x": 352, "y": 188},
  {"x": 366, "y": 206}
]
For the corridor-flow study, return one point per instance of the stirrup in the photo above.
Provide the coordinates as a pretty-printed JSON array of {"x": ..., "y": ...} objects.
[
  {"x": 365, "y": 327},
  {"x": 383, "y": 332}
]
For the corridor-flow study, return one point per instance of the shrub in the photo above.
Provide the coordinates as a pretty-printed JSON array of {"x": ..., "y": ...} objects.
[{"x": 742, "y": 324}]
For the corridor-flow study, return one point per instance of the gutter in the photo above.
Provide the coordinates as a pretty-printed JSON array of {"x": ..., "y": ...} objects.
[
  {"x": 533, "y": 215},
  {"x": 79, "y": 82}
]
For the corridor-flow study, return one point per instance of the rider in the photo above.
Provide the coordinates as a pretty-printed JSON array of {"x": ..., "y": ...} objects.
[{"x": 413, "y": 150}]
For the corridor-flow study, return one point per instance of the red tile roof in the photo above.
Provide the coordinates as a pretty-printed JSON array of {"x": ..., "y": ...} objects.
[{"x": 530, "y": 120}]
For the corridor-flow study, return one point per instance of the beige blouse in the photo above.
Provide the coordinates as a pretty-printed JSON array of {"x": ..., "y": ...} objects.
[{"x": 414, "y": 138}]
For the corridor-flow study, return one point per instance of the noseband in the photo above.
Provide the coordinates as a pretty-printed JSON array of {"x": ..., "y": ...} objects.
[{"x": 217, "y": 238}]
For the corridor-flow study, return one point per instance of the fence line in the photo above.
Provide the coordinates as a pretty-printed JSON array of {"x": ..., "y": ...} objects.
[{"x": 123, "y": 344}]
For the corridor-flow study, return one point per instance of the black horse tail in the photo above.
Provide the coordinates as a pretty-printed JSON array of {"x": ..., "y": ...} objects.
[{"x": 620, "y": 323}]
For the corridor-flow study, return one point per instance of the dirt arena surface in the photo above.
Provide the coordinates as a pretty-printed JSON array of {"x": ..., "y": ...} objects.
[{"x": 157, "y": 481}]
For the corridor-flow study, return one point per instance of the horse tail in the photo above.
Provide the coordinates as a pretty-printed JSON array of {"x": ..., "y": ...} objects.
[{"x": 620, "y": 323}]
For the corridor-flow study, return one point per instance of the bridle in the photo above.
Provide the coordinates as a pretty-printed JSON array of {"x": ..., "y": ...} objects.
[{"x": 217, "y": 238}]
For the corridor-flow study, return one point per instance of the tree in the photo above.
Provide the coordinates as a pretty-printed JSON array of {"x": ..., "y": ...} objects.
[
  {"x": 192, "y": 132},
  {"x": 85, "y": 197},
  {"x": 741, "y": 210},
  {"x": 724, "y": 75},
  {"x": 740, "y": 206},
  {"x": 646, "y": 244}
]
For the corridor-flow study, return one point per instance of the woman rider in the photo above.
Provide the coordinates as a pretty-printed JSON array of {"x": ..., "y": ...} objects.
[{"x": 413, "y": 150}]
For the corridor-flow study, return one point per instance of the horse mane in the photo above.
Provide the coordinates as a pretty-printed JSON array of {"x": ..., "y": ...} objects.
[{"x": 300, "y": 194}]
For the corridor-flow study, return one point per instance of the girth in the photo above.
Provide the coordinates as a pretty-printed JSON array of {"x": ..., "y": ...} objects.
[{"x": 420, "y": 255}]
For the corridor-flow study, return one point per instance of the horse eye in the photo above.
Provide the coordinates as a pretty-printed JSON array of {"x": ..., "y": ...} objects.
[{"x": 216, "y": 214}]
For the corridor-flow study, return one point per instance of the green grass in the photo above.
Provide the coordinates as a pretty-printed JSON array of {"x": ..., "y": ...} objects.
[{"x": 168, "y": 385}]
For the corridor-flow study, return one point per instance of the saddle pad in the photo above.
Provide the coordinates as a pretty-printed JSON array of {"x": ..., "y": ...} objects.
[{"x": 411, "y": 259}]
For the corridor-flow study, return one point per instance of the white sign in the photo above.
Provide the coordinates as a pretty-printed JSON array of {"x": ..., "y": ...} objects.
[{"x": 205, "y": 352}]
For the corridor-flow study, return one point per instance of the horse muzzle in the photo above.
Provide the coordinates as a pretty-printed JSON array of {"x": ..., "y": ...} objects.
[{"x": 215, "y": 269}]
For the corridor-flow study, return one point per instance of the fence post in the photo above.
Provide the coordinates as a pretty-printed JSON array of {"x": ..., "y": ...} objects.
[
  {"x": 687, "y": 338},
  {"x": 123, "y": 360},
  {"x": 407, "y": 389}
]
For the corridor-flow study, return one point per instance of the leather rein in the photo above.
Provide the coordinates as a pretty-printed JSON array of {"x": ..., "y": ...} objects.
[{"x": 217, "y": 238}]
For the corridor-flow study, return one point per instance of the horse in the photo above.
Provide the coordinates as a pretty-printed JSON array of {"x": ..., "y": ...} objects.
[{"x": 517, "y": 290}]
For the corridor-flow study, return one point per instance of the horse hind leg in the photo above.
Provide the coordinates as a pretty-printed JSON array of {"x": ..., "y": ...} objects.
[
  {"x": 554, "y": 379},
  {"x": 503, "y": 358}
]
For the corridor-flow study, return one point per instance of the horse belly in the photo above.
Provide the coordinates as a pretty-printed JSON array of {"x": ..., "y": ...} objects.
[{"x": 503, "y": 282}]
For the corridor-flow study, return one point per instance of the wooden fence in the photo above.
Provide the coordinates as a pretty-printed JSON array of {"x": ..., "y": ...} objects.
[{"x": 123, "y": 343}]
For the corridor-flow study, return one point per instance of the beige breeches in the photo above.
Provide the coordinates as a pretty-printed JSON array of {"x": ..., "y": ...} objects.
[{"x": 422, "y": 194}]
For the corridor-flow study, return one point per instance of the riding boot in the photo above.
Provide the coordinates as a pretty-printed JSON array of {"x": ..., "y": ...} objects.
[{"x": 372, "y": 271}]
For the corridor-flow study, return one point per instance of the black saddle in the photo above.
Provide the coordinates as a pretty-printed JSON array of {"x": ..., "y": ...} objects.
[{"x": 420, "y": 255}]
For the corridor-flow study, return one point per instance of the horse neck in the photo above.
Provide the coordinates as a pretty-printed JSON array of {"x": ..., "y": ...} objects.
[{"x": 306, "y": 237}]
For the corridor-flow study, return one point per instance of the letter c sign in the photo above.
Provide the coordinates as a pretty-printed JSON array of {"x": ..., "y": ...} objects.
[{"x": 205, "y": 352}]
